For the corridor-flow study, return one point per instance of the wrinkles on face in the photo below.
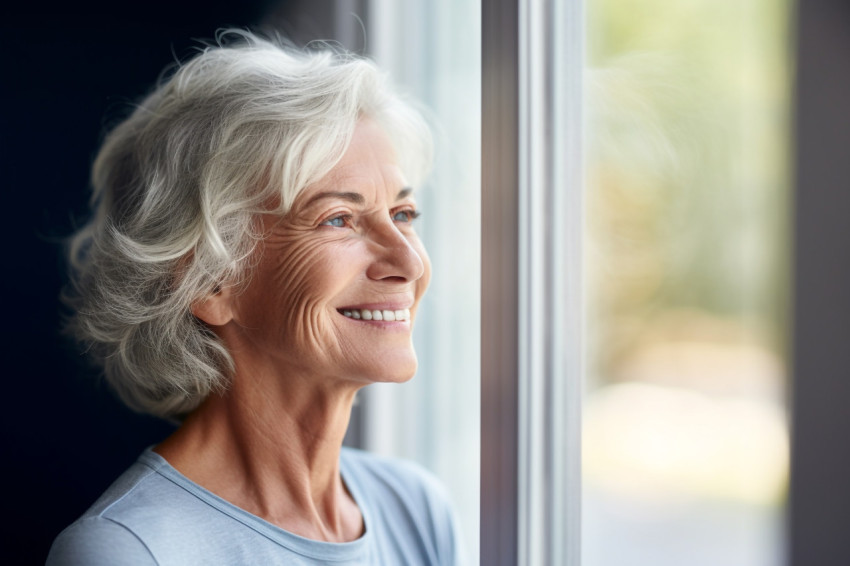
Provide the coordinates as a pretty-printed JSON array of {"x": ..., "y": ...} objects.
[
  {"x": 289, "y": 308},
  {"x": 342, "y": 244}
]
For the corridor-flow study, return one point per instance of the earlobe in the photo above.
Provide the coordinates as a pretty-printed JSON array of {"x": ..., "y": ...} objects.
[{"x": 215, "y": 309}]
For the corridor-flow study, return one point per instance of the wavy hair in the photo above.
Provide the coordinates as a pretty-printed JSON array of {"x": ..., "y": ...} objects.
[{"x": 177, "y": 187}]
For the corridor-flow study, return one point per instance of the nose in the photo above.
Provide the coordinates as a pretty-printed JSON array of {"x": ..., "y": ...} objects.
[{"x": 396, "y": 257}]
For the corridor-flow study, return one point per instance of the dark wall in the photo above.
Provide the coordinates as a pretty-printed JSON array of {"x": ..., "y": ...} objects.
[{"x": 66, "y": 68}]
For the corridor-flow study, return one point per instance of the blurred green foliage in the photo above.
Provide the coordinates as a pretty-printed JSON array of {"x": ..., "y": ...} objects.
[{"x": 688, "y": 167}]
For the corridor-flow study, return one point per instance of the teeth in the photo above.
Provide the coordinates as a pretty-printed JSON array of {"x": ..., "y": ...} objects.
[{"x": 402, "y": 315}]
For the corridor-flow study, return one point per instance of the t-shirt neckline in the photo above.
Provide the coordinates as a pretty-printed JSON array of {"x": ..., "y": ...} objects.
[{"x": 310, "y": 548}]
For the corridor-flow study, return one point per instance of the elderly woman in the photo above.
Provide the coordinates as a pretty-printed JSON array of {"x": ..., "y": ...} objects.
[{"x": 250, "y": 265}]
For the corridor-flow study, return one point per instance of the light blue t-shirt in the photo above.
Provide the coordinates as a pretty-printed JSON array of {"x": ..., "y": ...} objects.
[{"x": 153, "y": 515}]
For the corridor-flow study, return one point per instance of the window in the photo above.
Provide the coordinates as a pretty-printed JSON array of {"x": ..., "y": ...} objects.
[
  {"x": 673, "y": 204},
  {"x": 686, "y": 444}
]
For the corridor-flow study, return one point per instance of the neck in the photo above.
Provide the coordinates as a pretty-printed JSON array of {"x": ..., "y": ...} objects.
[{"x": 271, "y": 446}]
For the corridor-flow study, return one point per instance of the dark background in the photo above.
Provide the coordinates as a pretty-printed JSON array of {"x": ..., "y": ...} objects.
[{"x": 68, "y": 70}]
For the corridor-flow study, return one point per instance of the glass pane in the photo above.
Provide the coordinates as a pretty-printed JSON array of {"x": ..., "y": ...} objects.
[{"x": 685, "y": 442}]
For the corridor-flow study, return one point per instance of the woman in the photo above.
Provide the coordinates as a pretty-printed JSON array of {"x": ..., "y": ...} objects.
[{"x": 251, "y": 264}]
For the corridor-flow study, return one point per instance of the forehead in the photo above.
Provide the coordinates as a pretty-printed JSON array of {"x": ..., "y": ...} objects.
[{"x": 369, "y": 165}]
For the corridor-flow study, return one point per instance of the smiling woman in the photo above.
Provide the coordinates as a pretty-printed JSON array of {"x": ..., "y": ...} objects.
[
  {"x": 250, "y": 265},
  {"x": 353, "y": 250}
]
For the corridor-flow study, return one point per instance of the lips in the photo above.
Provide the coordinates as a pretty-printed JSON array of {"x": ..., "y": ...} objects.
[{"x": 387, "y": 315}]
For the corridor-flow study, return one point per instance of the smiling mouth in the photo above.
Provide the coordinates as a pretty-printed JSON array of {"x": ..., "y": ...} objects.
[{"x": 402, "y": 315}]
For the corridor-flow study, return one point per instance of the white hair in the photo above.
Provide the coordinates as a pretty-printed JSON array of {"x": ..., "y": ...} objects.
[{"x": 239, "y": 129}]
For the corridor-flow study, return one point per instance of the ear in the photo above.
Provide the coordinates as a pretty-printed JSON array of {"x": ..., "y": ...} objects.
[{"x": 215, "y": 309}]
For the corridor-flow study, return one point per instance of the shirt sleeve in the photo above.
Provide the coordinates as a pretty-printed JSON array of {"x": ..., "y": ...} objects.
[{"x": 97, "y": 541}]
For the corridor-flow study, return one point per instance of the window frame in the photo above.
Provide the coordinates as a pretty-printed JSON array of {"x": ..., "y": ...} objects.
[
  {"x": 819, "y": 508},
  {"x": 532, "y": 305}
]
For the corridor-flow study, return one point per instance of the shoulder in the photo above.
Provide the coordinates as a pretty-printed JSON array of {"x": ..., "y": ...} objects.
[
  {"x": 388, "y": 474},
  {"x": 95, "y": 540},
  {"x": 137, "y": 510},
  {"x": 405, "y": 501},
  {"x": 138, "y": 495}
]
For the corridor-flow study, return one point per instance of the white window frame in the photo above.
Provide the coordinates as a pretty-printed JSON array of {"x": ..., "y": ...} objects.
[{"x": 532, "y": 300}]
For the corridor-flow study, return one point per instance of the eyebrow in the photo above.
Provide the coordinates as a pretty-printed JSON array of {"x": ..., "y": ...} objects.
[{"x": 356, "y": 198}]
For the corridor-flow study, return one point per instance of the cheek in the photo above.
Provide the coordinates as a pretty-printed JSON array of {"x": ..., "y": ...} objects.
[{"x": 288, "y": 294}]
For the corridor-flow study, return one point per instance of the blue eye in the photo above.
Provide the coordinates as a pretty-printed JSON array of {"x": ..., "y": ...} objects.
[
  {"x": 340, "y": 221},
  {"x": 406, "y": 215}
]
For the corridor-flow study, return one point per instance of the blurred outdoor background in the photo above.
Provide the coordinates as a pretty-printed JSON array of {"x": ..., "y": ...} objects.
[{"x": 685, "y": 441}]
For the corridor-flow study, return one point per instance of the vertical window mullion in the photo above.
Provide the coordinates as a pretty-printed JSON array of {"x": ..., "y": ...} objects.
[
  {"x": 499, "y": 283},
  {"x": 531, "y": 282}
]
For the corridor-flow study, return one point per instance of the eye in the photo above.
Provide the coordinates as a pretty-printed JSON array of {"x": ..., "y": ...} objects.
[
  {"x": 339, "y": 221},
  {"x": 405, "y": 215}
]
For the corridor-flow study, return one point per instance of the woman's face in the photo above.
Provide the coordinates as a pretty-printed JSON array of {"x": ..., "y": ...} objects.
[{"x": 333, "y": 269}]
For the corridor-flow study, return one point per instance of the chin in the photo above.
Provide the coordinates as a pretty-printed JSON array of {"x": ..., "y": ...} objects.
[{"x": 396, "y": 370}]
